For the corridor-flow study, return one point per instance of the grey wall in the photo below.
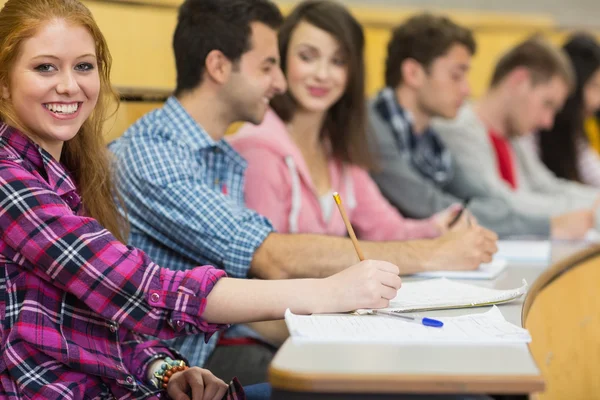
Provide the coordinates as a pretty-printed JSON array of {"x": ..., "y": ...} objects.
[{"x": 573, "y": 13}]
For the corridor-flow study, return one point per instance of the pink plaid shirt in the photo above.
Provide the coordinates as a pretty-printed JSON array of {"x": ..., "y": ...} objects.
[{"x": 75, "y": 301}]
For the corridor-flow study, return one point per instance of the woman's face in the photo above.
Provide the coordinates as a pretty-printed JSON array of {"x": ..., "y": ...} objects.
[
  {"x": 54, "y": 83},
  {"x": 591, "y": 94},
  {"x": 317, "y": 68}
]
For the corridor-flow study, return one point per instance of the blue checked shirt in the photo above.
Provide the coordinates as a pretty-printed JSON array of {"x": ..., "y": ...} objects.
[{"x": 184, "y": 197}]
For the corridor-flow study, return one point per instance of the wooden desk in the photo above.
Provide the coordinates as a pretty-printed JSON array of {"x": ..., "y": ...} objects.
[
  {"x": 383, "y": 371},
  {"x": 562, "y": 313}
]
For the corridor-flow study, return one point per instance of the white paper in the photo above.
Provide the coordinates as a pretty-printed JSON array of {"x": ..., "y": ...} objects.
[
  {"x": 485, "y": 271},
  {"x": 486, "y": 328},
  {"x": 524, "y": 251},
  {"x": 436, "y": 294},
  {"x": 592, "y": 236}
]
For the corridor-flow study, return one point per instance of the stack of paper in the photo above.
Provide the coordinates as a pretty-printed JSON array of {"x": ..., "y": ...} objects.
[
  {"x": 486, "y": 328},
  {"x": 524, "y": 251},
  {"x": 438, "y": 294},
  {"x": 485, "y": 271}
]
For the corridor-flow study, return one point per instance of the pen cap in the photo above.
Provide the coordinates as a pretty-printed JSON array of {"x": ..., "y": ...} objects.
[{"x": 432, "y": 322}]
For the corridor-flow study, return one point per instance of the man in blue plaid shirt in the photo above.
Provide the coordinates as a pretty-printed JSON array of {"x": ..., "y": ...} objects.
[{"x": 183, "y": 184}]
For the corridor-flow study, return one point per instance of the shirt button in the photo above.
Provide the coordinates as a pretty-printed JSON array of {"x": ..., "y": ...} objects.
[
  {"x": 129, "y": 380},
  {"x": 113, "y": 328},
  {"x": 155, "y": 297},
  {"x": 180, "y": 324}
]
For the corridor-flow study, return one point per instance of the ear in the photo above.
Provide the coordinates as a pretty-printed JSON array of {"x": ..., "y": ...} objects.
[
  {"x": 217, "y": 67},
  {"x": 520, "y": 76},
  {"x": 5, "y": 92},
  {"x": 413, "y": 73}
]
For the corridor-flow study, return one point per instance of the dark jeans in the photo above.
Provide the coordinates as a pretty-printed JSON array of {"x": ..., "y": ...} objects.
[
  {"x": 249, "y": 363},
  {"x": 260, "y": 391}
]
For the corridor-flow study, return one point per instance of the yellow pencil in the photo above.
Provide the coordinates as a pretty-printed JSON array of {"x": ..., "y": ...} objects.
[{"x": 338, "y": 201}]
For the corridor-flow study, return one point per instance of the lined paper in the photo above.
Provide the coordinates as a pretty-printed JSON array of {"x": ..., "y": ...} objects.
[{"x": 486, "y": 328}]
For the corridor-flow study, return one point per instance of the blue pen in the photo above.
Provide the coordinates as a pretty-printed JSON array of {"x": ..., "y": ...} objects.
[{"x": 412, "y": 318}]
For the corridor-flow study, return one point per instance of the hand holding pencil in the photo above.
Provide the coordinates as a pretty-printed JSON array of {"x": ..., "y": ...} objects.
[{"x": 369, "y": 284}]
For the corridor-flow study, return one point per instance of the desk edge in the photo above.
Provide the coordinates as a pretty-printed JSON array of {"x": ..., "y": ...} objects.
[{"x": 393, "y": 383}]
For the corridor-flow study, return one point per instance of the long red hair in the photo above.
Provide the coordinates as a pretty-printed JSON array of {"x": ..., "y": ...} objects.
[{"x": 85, "y": 156}]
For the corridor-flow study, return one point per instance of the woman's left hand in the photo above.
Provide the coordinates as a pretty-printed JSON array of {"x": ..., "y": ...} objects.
[{"x": 201, "y": 383}]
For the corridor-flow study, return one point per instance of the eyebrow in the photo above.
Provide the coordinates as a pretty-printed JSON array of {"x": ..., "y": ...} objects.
[
  {"x": 56, "y": 58},
  {"x": 306, "y": 44},
  {"x": 270, "y": 60},
  {"x": 339, "y": 51}
]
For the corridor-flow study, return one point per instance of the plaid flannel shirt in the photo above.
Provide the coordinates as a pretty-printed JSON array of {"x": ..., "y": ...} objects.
[
  {"x": 75, "y": 301},
  {"x": 426, "y": 151},
  {"x": 184, "y": 197}
]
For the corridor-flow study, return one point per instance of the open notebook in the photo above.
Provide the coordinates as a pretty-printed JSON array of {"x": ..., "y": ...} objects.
[
  {"x": 485, "y": 271},
  {"x": 486, "y": 328},
  {"x": 438, "y": 294}
]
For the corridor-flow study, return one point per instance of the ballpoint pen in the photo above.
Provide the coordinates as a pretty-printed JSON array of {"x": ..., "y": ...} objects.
[
  {"x": 459, "y": 214},
  {"x": 411, "y": 318}
]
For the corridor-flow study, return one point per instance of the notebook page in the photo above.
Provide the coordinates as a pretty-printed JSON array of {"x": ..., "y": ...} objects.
[
  {"x": 486, "y": 328},
  {"x": 435, "y": 294},
  {"x": 528, "y": 251},
  {"x": 485, "y": 271}
]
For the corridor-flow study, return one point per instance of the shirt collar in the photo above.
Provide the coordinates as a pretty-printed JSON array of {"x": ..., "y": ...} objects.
[
  {"x": 389, "y": 96},
  {"x": 190, "y": 131},
  {"x": 21, "y": 147},
  {"x": 193, "y": 134}
]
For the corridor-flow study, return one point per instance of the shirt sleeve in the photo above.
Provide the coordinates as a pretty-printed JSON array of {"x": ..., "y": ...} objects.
[
  {"x": 398, "y": 181},
  {"x": 376, "y": 219},
  {"x": 166, "y": 195},
  {"x": 419, "y": 197},
  {"x": 546, "y": 192},
  {"x": 77, "y": 255},
  {"x": 139, "y": 353}
]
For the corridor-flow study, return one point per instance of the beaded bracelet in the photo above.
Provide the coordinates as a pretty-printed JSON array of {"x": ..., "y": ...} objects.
[{"x": 166, "y": 370}]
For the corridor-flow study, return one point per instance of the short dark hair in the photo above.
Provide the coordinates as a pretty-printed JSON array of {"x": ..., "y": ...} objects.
[
  {"x": 423, "y": 38},
  {"x": 543, "y": 60},
  {"x": 344, "y": 125},
  {"x": 207, "y": 25}
]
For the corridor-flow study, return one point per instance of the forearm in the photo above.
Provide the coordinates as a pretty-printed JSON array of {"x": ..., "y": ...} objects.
[
  {"x": 369, "y": 284},
  {"x": 316, "y": 256},
  {"x": 411, "y": 229},
  {"x": 234, "y": 301},
  {"x": 411, "y": 256}
]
